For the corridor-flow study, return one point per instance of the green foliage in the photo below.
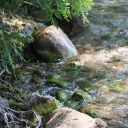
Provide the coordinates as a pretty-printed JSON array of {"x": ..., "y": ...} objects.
[
  {"x": 11, "y": 45},
  {"x": 11, "y": 40},
  {"x": 59, "y": 8}
]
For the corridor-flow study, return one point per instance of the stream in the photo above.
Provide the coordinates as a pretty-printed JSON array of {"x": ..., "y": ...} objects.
[{"x": 100, "y": 70}]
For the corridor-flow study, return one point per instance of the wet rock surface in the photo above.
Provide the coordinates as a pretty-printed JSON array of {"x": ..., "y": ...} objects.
[{"x": 69, "y": 118}]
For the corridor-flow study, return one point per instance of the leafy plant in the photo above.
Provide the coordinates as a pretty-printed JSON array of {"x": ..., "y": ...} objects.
[
  {"x": 11, "y": 45},
  {"x": 11, "y": 40},
  {"x": 58, "y": 8}
]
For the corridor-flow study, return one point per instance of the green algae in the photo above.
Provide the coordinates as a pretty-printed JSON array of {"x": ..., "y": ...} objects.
[
  {"x": 59, "y": 83},
  {"x": 44, "y": 109},
  {"x": 61, "y": 96},
  {"x": 80, "y": 95}
]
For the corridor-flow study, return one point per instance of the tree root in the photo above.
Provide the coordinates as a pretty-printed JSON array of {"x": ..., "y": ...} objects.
[{"x": 20, "y": 119}]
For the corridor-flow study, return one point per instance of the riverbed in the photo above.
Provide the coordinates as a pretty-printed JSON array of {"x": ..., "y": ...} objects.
[{"x": 102, "y": 64}]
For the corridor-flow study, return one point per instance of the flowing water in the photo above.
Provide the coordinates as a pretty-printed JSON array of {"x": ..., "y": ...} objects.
[{"x": 102, "y": 63}]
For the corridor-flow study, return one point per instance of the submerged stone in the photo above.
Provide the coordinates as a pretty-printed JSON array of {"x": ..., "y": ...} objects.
[
  {"x": 59, "y": 83},
  {"x": 61, "y": 96},
  {"x": 91, "y": 112},
  {"x": 53, "y": 76},
  {"x": 82, "y": 96},
  {"x": 72, "y": 104},
  {"x": 83, "y": 85},
  {"x": 36, "y": 80}
]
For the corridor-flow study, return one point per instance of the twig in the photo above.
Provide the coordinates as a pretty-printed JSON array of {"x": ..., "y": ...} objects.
[{"x": 2, "y": 72}]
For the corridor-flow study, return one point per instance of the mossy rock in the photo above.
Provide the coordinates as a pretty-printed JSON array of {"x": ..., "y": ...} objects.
[
  {"x": 53, "y": 76},
  {"x": 61, "y": 96},
  {"x": 106, "y": 37},
  {"x": 44, "y": 109},
  {"x": 59, "y": 83},
  {"x": 91, "y": 112},
  {"x": 83, "y": 85},
  {"x": 80, "y": 95},
  {"x": 43, "y": 105},
  {"x": 72, "y": 104},
  {"x": 36, "y": 80}
]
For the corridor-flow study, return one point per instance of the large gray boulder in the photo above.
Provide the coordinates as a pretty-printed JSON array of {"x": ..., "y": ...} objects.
[
  {"x": 69, "y": 118},
  {"x": 53, "y": 43}
]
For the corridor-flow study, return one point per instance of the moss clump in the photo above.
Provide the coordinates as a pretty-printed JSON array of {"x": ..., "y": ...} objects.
[
  {"x": 16, "y": 97},
  {"x": 83, "y": 85},
  {"x": 44, "y": 109},
  {"x": 53, "y": 76},
  {"x": 59, "y": 83},
  {"x": 62, "y": 96},
  {"x": 49, "y": 56},
  {"x": 72, "y": 104},
  {"x": 106, "y": 37},
  {"x": 36, "y": 80},
  {"x": 82, "y": 96},
  {"x": 92, "y": 112}
]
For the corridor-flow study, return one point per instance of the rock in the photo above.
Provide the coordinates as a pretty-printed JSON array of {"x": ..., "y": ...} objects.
[
  {"x": 72, "y": 104},
  {"x": 61, "y": 96},
  {"x": 84, "y": 85},
  {"x": 72, "y": 27},
  {"x": 80, "y": 95},
  {"x": 37, "y": 80},
  {"x": 59, "y": 83},
  {"x": 69, "y": 118},
  {"x": 53, "y": 44},
  {"x": 53, "y": 76},
  {"x": 3, "y": 102},
  {"x": 42, "y": 104},
  {"x": 28, "y": 29},
  {"x": 39, "y": 72}
]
